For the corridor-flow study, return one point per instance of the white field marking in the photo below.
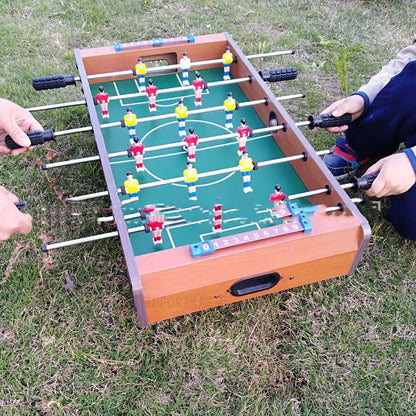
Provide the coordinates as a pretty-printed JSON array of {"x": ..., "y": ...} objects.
[
  {"x": 174, "y": 218},
  {"x": 170, "y": 238},
  {"x": 118, "y": 92},
  {"x": 172, "y": 101},
  {"x": 185, "y": 209},
  {"x": 266, "y": 220},
  {"x": 235, "y": 219},
  {"x": 201, "y": 236},
  {"x": 181, "y": 153},
  {"x": 189, "y": 223},
  {"x": 268, "y": 210},
  {"x": 179, "y": 80},
  {"x": 230, "y": 210},
  {"x": 181, "y": 225}
]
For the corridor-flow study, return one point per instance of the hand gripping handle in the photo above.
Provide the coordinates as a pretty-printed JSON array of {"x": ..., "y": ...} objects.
[
  {"x": 365, "y": 182},
  {"x": 328, "y": 120},
  {"x": 279, "y": 74},
  {"x": 36, "y": 137},
  {"x": 53, "y": 81}
]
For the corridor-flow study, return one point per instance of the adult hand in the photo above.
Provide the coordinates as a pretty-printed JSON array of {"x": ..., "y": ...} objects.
[
  {"x": 12, "y": 220},
  {"x": 354, "y": 104},
  {"x": 14, "y": 121},
  {"x": 396, "y": 176}
]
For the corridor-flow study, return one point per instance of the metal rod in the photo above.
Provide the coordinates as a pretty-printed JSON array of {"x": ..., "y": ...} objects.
[
  {"x": 47, "y": 247},
  {"x": 172, "y": 115},
  {"x": 200, "y": 175},
  {"x": 131, "y": 216},
  {"x": 176, "y": 66},
  {"x": 54, "y": 106},
  {"x": 308, "y": 193},
  {"x": 138, "y": 94}
]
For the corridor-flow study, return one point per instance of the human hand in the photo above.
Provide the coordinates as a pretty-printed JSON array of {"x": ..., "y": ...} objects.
[
  {"x": 396, "y": 176},
  {"x": 354, "y": 104},
  {"x": 12, "y": 220},
  {"x": 14, "y": 121}
]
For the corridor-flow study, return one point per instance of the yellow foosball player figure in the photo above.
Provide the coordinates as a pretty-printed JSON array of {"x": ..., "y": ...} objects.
[
  {"x": 131, "y": 187},
  {"x": 130, "y": 121},
  {"x": 246, "y": 165},
  {"x": 140, "y": 68},
  {"x": 190, "y": 175},
  {"x": 181, "y": 114},
  {"x": 230, "y": 104},
  {"x": 227, "y": 59}
]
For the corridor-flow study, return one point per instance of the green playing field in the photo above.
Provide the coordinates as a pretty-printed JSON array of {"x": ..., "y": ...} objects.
[{"x": 194, "y": 218}]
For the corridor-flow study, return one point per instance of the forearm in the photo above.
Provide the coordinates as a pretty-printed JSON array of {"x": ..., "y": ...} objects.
[{"x": 380, "y": 80}]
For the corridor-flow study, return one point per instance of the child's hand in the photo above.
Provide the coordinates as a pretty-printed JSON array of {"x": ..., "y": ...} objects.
[
  {"x": 14, "y": 121},
  {"x": 354, "y": 104},
  {"x": 12, "y": 220},
  {"x": 396, "y": 176}
]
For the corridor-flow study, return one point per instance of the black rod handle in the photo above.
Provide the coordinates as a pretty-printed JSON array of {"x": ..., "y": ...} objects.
[
  {"x": 365, "y": 182},
  {"x": 279, "y": 74},
  {"x": 52, "y": 82},
  {"x": 36, "y": 137},
  {"x": 328, "y": 120},
  {"x": 20, "y": 205}
]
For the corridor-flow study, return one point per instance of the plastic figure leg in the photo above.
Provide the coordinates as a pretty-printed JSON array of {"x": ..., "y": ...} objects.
[
  {"x": 139, "y": 163},
  {"x": 192, "y": 191},
  {"x": 247, "y": 183},
  {"x": 229, "y": 119},
  {"x": 181, "y": 126},
  {"x": 185, "y": 75},
  {"x": 198, "y": 97},
  {"x": 152, "y": 104},
  {"x": 142, "y": 86},
  {"x": 226, "y": 76},
  {"x": 132, "y": 132}
]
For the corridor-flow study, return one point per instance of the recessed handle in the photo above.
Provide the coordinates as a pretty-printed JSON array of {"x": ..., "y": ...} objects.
[{"x": 254, "y": 284}]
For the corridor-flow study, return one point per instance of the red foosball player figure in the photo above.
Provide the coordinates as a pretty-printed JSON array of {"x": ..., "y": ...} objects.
[
  {"x": 230, "y": 104},
  {"x": 243, "y": 132},
  {"x": 185, "y": 64},
  {"x": 190, "y": 143},
  {"x": 102, "y": 99},
  {"x": 227, "y": 59},
  {"x": 217, "y": 218},
  {"x": 140, "y": 68},
  {"x": 155, "y": 225},
  {"x": 181, "y": 114},
  {"x": 199, "y": 85},
  {"x": 137, "y": 151},
  {"x": 131, "y": 187},
  {"x": 277, "y": 197},
  {"x": 130, "y": 120},
  {"x": 246, "y": 165},
  {"x": 190, "y": 175},
  {"x": 151, "y": 91}
]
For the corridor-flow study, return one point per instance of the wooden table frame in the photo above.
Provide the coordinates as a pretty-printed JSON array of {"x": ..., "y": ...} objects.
[{"x": 171, "y": 282}]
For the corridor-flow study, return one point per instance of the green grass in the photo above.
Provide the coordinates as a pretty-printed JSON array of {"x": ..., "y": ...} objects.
[{"x": 339, "y": 347}]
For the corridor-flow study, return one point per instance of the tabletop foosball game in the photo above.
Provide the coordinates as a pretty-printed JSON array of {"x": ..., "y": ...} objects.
[{"x": 216, "y": 193}]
